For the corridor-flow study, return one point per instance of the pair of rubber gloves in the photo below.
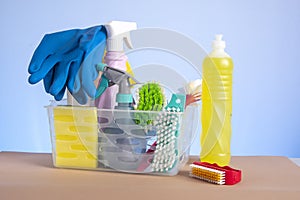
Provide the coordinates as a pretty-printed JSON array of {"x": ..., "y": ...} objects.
[{"x": 67, "y": 59}]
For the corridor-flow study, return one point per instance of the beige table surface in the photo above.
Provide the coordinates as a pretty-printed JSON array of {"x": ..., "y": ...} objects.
[{"x": 32, "y": 176}]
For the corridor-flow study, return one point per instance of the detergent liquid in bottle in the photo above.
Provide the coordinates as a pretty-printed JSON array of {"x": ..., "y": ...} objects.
[
  {"x": 216, "y": 105},
  {"x": 118, "y": 32}
]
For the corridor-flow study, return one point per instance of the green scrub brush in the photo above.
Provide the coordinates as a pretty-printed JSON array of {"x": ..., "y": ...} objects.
[{"x": 150, "y": 97}]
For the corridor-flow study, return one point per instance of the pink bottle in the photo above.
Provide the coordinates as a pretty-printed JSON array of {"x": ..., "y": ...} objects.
[
  {"x": 118, "y": 32},
  {"x": 117, "y": 60}
]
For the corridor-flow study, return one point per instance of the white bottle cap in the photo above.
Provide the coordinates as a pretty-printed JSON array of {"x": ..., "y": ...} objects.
[{"x": 218, "y": 43}]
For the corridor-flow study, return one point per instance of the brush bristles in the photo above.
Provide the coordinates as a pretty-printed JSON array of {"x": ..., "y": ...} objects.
[
  {"x": 166, "y": 152},
  {"x": 207, "y": 174}
]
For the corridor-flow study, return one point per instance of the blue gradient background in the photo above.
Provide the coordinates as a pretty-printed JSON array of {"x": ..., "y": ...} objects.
[{"x": 263, "y": 37}]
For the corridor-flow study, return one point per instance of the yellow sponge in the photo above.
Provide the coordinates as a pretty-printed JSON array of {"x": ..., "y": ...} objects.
[{"x": 76, "y": 136}]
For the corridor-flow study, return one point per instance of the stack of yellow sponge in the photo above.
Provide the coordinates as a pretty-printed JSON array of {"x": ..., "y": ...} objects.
[{"x": 76, "y": 136}]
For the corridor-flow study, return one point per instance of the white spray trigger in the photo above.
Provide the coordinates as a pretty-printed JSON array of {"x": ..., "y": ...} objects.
[
  {"x": 118, "y": 32},
  {"x": 127, "y": 41}
]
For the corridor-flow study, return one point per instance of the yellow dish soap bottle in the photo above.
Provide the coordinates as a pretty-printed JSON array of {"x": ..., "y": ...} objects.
[{"x": 216, "y": 105}]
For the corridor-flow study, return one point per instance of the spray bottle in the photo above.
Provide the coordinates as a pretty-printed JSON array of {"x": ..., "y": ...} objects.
[
  {"x": 120, "y": 121},
  {"x": 112, "y": 76},
  {"x": 216, "y": 105},
  {"x": 118, "y": 32}
]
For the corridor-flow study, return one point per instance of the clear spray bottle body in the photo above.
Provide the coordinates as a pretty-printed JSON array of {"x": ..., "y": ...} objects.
[{"x": 216, "y": 105}]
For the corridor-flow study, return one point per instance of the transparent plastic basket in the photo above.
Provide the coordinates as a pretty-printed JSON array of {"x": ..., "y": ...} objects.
[{"x": 121, "y": 140}]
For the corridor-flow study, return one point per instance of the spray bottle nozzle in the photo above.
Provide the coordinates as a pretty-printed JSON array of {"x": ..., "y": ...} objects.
[
  {"x": 115, "y": 76},
  {"x": 119, "y": 32}
]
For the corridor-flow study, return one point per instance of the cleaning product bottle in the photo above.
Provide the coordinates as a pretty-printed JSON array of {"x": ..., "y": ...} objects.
[
  {"x": 117, "y": 33},
  {"x": 216, "y": 105},
  {"x": 121, "y": 78}
]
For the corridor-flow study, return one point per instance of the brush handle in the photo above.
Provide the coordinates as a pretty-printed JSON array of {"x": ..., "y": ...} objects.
[{"x": 232, "y": 176}]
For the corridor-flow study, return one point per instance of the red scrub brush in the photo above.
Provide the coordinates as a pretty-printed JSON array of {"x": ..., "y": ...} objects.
[{"x": 215, "y": 174}]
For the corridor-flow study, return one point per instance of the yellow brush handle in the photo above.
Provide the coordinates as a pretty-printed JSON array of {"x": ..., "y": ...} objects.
[{"x": 129, "y": 71}]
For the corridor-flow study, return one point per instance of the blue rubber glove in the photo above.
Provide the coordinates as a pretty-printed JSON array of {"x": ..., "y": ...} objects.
[
  {"x": 50, "y": 44},
  {"x": 89, "y": 71},
  {"x": 93, "y": 44},
  {"x": 58, "y": 61},
  {"x": 55, "y": 70},
  {"x": 51, "y": 49}
]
